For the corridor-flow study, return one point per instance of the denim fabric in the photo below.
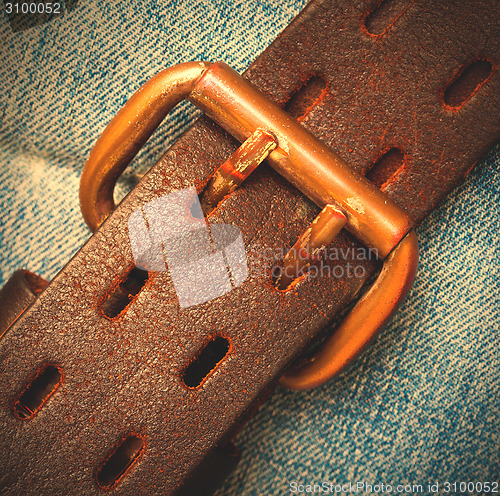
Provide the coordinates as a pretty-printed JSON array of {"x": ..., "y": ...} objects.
[{"x": 419, "y": 406}]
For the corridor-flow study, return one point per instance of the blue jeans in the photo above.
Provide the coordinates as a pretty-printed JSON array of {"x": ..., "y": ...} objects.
[{"x": 420, "y": 406}]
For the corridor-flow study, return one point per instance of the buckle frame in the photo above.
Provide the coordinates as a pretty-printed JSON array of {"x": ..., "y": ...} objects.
[{"x": 242, "y": 110}]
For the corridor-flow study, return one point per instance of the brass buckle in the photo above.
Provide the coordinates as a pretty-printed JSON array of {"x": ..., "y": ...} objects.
[{"x": 302, "y": 159}]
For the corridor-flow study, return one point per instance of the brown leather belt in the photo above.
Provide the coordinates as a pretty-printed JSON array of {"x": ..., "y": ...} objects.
[{"x": 396, "y": 89}]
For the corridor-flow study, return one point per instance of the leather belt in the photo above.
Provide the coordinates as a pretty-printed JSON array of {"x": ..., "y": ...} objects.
[{"x": 396, "y": 90}]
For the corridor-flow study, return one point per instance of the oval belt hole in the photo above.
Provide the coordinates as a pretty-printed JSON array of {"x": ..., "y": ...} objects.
[
  {"x": 38, "y": 391},
  {"x": 306, "y": 97},
  {"x": 119, "y": 298},
  {"x": 384, "y": 15},
  {"x": 206, "y": 361},
  {"x": 386, "y": 166},
  {"x": 120, "y": 461},
  {"x": 466, "y": 83}
]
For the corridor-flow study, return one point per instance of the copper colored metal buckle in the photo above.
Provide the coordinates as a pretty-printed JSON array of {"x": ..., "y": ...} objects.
[{"x": 346, "y": 197}]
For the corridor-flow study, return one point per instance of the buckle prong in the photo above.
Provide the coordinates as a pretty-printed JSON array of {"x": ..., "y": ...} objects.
[
  {"x": 237, "y": 168},
  {"x": 320, "y": 233}
]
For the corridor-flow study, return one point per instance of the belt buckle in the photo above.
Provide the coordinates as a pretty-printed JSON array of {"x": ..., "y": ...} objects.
[{"x": 269, "y": 132}]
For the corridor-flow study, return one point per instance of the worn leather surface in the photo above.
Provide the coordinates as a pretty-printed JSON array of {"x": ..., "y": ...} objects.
[{"x": 363, "y": 95}]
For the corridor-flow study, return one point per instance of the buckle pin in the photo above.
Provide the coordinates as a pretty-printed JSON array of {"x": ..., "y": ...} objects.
[
  {"x": 237, "y": 168},
  {"x": 322, "y": 231}
]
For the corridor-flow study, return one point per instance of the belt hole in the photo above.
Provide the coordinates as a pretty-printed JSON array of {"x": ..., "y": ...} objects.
[
  {"x": 467, "y": 82},
  {"x": 120, "y": 461},
  {"x": 386, "y": 166},
  {"x": 306, "y": 97},
  {"x": 384, "y": 15},
  {"x": 213, "y": 353},
  {"x": 120, "y": 297},
  {"x": 38, "y": 391}
]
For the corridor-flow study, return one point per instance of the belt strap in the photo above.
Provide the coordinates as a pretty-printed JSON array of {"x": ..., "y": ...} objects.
[
  {"x": 18, "y": 293},
  {"x": 397, "y": 91}
]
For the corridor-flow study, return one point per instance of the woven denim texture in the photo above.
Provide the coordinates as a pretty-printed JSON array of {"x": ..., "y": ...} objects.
[{"x": 419, "y": 406}]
